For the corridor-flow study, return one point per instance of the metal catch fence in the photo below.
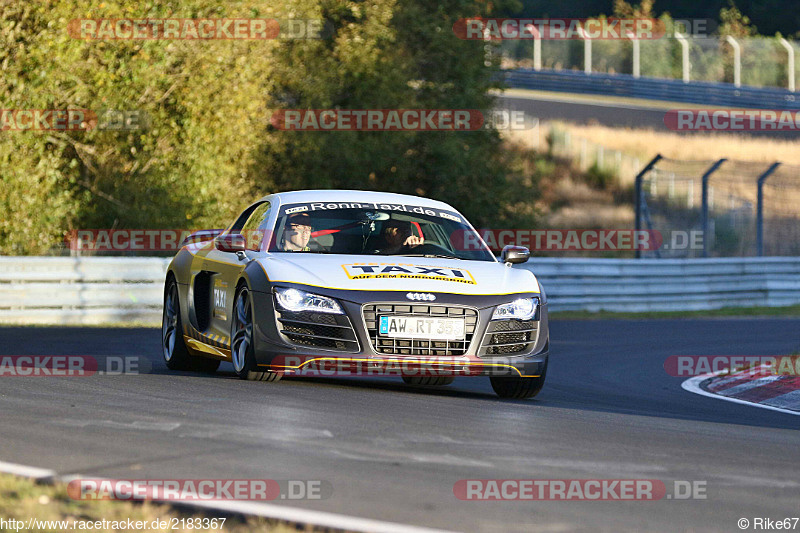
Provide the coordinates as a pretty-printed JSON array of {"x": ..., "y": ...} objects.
[{"x": 722, "y": 208}]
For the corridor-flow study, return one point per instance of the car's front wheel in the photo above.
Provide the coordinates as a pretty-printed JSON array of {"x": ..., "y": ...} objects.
[
  {"x": 518, "y": 388},
  {"x": 242, "y": 350}
]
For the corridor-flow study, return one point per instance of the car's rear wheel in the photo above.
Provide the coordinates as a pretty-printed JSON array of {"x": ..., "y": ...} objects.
[
  {"x": 176, "y": 354},
  {"x": 429, "y": 381},
  {"x": 518, "y": 388},
  {"x": 174, "y": 350},
  {"x": 242, "y": 351}
]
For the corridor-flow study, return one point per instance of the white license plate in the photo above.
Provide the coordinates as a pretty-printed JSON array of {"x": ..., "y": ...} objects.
[{"x": 414, "y": 327}]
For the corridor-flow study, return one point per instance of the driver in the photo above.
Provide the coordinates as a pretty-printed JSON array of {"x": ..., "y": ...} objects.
[
  {"x": 398, "y": 234},
  {"x": 297, "y": 233}
]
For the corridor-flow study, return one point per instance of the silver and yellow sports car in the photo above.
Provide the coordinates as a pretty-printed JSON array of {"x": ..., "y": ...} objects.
[{"x": 355, "y": 283}]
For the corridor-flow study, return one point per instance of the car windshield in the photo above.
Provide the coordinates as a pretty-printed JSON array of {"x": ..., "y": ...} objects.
[{"x": 376, "y": 229}]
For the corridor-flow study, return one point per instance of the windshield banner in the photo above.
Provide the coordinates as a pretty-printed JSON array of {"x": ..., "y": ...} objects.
[{"x": 401, "y": 208}]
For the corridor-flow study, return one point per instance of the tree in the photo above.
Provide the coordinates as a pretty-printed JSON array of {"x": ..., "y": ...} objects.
[
  {"x": 206, "y": 150},
  {"x": 734, "y": 23},
  {"x": 390, "y": 54}
]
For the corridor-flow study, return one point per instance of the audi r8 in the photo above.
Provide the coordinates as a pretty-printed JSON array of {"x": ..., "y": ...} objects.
[{"x": 355, "y": 281}]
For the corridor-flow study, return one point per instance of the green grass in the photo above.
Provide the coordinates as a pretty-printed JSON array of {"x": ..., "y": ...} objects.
[
  {"x": 787, "y": 311},
  {"x": 22, "y": 499}
]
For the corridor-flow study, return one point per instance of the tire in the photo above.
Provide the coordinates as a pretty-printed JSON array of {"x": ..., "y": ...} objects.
[
  {"x": 242, "y": 352},
  {"x": 429, "y": 381},
  {"x": 173, "y": 348},
  {"x": 518, "y": 388}
]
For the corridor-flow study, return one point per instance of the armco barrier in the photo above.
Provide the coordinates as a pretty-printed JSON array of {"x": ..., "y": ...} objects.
[
  {"x": 667, "y": 284},
  {"x": 101, "y": 290},
  {"x": 698, "y": 92},
  {"x": 81, "y": 290}
]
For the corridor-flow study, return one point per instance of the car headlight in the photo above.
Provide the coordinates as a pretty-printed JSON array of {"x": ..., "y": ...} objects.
[
  {"x": 297, "y": 300},
  {"x": 521, "y": 309}
]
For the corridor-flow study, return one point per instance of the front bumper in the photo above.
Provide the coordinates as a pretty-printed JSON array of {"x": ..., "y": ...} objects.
[{"x": 274, "y": 351}]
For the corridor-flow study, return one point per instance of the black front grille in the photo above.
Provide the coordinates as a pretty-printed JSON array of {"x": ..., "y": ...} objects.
[
  {"x": 401, "y": 346},
  {"x": 319, "y": 330},
  {"x": 509, "y": 337}
]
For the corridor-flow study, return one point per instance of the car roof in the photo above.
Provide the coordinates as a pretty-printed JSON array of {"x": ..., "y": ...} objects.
[{"x": 342, "y": 195}]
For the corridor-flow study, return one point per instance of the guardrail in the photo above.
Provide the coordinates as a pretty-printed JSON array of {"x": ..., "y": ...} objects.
[
  {"x": 81, "y": 290},
  {"x": 639, "y": 285},
  {"x": 698, "y": 92},
  {"x": 103, "y": 290}
]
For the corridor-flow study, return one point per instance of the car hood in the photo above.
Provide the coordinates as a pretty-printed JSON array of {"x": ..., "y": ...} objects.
[{"x": 398, "y": 273}]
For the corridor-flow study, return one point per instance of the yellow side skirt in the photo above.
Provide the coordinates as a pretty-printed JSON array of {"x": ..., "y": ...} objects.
[{"x": 206, "y": 349}]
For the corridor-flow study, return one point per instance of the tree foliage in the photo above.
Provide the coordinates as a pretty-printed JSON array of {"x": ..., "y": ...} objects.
[{"x": 207, "y": 148}]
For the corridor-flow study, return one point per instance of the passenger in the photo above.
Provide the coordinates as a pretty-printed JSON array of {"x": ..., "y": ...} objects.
[{"x": 397, "y": 234}]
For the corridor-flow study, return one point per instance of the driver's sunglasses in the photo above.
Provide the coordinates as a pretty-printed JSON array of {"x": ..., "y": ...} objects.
[{"x": 299, "y": 229}]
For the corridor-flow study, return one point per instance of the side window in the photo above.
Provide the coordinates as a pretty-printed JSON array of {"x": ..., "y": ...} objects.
[
  {"x": 242, "y": 218},
  {"x": 253, "y": 229}
]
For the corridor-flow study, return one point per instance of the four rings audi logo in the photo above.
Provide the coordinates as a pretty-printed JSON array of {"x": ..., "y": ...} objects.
[{"x": 421, "y": 296}]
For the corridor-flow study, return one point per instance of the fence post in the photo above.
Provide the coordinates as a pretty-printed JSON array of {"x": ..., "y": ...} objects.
[
  {"x": 638, "y": 193},
  {"x": 582, "y": 162},
  {"x": 737, "y": 61},
  {"x": 707, "y": 175},
  {"x": 537, "y": 48},
  {"x": 760, "y": 209},
  {"x": 487, "y": 47},
  {"x": 790, "y": 64},
  {"x": 636, "y": 57},
  {"x": 587, "y": 51},
  {"x": 684, "y": 55}
]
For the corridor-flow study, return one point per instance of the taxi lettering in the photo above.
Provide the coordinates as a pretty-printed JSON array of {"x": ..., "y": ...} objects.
[{"x": 406, "y": 271}]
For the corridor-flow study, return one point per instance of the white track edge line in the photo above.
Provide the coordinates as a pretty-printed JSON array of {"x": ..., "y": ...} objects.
[
  {"x": 693, "y": 385},
  {"x": 277, "y": 512},
  {"x": 26, "y": 471},
  {"x": 318, "y": 518}
]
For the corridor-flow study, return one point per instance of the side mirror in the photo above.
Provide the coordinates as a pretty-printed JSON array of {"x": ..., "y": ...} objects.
[
  {"x": 514, "y": 254},
  {"x": 230, "y": 242}
]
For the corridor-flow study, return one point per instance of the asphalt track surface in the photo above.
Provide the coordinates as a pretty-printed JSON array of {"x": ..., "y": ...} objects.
[
  {"x": 393, "y": 452},
  {"x": 611, "y": 114}
]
